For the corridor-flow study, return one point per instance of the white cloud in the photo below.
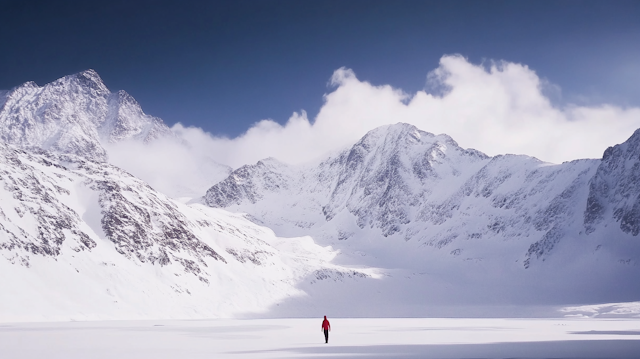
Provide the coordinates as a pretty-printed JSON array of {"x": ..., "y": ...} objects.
[
  {"x": 497, "y": 108},
  {"x": 175, "y": 168}
]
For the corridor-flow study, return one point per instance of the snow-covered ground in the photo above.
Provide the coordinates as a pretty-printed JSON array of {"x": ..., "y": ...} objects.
[{"x": 302, "y": 338}]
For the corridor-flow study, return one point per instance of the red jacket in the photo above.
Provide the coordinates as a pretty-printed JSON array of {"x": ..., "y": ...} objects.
[{"x": 325, "y": 324}]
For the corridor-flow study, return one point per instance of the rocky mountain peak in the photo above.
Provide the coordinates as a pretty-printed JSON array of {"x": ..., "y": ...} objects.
[
  {"x": 409, "y": 140},
  {"x": 386, "y": 172},
  {"x": 79, "y": 87},
  {"x": 380, "y": 180},
  {"x": 88, "y": 79},
  {"x": 392, "y": 136},
  {"x": 74, "y": 115}
]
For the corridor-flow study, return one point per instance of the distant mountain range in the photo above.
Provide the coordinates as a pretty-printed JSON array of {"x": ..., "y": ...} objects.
[
  {"x": 411, "y": 185},
  {"x": 416, "y": 223}
]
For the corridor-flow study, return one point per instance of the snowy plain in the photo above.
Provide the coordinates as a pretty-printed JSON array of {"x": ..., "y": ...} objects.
[{"x": 302, "y": 338}]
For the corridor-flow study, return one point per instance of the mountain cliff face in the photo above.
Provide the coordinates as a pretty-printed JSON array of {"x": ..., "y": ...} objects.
[
  {"x": 614, "y": 191},
  {"x": 74, "y": 115}
]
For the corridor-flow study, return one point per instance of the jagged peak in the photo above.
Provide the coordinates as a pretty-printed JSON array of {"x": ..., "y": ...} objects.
[
  {"x": 394, "y": 134},
  {"x": 88, "y": 79},
  {"x": 89, "y": 74},
  {"x": 397, "y": 129},
  {"x": 83, "y": 112},
  {"x": 631, "y": 146},
  {"x": 403, "y": 130},
  {"x": 383, "y": 133}
]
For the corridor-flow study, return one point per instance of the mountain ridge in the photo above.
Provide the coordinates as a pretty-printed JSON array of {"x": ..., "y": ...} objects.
[
  {"x": 391, "y": 181},
  {"x": 451, "y": 226}
]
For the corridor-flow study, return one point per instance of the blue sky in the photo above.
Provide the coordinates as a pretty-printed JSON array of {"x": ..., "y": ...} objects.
[{"x": 223, "y": 66}]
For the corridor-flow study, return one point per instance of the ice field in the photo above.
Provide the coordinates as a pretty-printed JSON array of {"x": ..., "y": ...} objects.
[{"x": 302, "y": 338}]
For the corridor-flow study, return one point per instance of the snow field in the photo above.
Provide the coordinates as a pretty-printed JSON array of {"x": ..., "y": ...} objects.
[{"x": 302, "y": 338}]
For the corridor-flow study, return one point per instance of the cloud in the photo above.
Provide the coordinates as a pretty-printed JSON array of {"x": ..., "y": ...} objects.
[
  {"x": 172, "y": 166},
  {"x": 497, "y": 108}
]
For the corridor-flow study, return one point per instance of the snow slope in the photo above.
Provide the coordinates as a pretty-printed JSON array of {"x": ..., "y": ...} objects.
[{"x": 86, "y": 240}]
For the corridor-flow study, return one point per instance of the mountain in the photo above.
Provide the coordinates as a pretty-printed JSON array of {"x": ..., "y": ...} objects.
[
  {"x": 614, "y": 191},
  {"x": 78, "y": 115},
  {"x": 82, "y": 239},
  {"x": 409, "y": 184},
  {"x": 408, "y": 200},
  {"x": 402, "y": 223},
  {"x": 74, "y": 115}
]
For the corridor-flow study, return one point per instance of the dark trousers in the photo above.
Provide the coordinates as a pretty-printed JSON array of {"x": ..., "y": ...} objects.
[{"x": 326, "y": 335}]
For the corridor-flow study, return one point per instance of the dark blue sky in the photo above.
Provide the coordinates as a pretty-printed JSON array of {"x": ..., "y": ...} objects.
[{"x": 224, "y": 65}]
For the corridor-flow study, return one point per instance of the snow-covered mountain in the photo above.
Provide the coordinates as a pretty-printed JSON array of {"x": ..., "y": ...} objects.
[
  {"x": 401, "y": 182},
  {"x": 405, "y": 198},
  {"x": 82, "y": 239},
  {"x": 74, "y": 115},
  {"x": 403, "y": 223},
  {"x": 614, "y": 191},
  {"x": 78, "y": 115}
]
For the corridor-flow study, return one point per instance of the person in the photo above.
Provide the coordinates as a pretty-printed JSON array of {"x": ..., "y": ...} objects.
[{"x": 326, "y": 327}]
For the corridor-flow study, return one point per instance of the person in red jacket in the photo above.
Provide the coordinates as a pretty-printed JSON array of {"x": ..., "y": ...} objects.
[{"x": 326, "y": 327}]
